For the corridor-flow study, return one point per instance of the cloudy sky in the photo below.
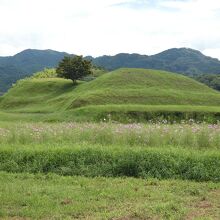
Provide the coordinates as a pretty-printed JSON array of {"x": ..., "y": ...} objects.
[{"x": 97, "y": 27}]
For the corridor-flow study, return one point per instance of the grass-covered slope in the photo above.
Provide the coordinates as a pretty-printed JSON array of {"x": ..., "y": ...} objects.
[
  {"x": 121, "y": 90},
  {"x": 147, "y": 87},
  {"x": 35, "y": 94}
]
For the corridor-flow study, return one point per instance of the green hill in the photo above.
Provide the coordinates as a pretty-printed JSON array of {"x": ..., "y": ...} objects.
[
  {"x": 147, "y": 87},
  {"x": 119, "y": 90}
]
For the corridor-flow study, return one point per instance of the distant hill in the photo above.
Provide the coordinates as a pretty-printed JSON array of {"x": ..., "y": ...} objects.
[
  {"x": 183, "y": 60},
  {"x": 26, "y": 63}
]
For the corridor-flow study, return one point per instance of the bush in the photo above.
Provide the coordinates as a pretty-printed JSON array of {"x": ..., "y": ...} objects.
[
  {"x": 46, "y": 73},
  {"x": 148, "y": 163}
]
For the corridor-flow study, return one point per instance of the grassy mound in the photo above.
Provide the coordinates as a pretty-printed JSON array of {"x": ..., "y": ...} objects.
[
  {"x": 147, "y": 87},
  {"x": 124, "y": 90}
]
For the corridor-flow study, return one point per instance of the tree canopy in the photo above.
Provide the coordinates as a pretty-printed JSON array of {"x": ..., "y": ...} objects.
[
  {"x": 211, "y": 80},
  {"x": 74, "y": 68}
]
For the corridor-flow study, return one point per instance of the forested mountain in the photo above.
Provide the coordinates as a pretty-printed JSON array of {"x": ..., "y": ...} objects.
[
  {"x": 184, "y": 60},
  {"x": 25, "y": 63}
]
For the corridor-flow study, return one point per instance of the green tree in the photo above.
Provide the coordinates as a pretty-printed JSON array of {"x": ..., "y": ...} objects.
[{"x": 74, "y": 68}]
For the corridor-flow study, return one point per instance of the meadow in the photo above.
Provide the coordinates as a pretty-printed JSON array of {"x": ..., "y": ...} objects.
[
  {"x": 28, "y": 196},
  {"x": 187, "y": 134},
  {"x": 109, "y": 170},
  {"x": 183, "y": 151},
  {"x": 129, "y": 144}
]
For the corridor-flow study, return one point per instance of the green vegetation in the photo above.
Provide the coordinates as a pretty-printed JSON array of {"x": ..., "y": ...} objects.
[
  {"x": 46, "y": 73},
  {"x": 189, "y": 136},
  {"x": 183, "y": 60},
  {"x": 112, "y": 162},
  {"x": 119, "y": 113},
  {"x": 179, "y": 60},
  {"x": 24, "y": 64},
  {"x": 74, "y": 68},
  {"x": 56, "y": 197},
  {"x": 126, "y": 94},
  {"x": 210, "y": 80},
  {"x": 155, "y": 151},
  {"x": 79, "y": 169},
  {"x": 116, "y": 151}
]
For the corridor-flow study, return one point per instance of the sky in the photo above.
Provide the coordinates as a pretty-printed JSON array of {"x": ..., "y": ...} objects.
[{"x": 108, "y": 27}]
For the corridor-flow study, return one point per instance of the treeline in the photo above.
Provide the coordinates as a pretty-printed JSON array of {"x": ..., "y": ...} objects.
[{"x": 211, "y": 80}]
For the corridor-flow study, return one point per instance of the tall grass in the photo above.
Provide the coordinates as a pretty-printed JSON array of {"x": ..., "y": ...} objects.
[
  {"x": 98, "y": 161},
  {"x": 196, "y": 136},
  {"x": 185, "y": 151}
]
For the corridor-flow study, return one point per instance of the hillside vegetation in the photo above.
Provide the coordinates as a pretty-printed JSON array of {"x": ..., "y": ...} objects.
[
  {"x": 181, "y": 60},
  {"x": 134, "y": 90},
  {"x": 211, "y": 80}
]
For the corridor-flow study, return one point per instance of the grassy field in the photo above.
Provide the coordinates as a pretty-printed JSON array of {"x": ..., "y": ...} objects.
[
  {"x": 27, "y": 196},
  {"x": 184, "y": 151},
  {"x": 42, "y": 167},
  {"x": 188, "y": 135},
  {"x": 118, "y": 113},
  {"x": 130, "y": 144}
]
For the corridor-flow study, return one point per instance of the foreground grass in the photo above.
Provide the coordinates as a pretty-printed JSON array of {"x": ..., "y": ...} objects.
[
  {"x": 57, "y": 197},
  {"x": 184, "y": 151},
  {"x": 113, "y": 162}
]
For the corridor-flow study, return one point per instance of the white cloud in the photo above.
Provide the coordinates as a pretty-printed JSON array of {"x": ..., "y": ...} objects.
[{"x": 108, "y": 27}]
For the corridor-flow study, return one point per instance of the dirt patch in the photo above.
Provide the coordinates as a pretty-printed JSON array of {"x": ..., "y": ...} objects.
[
  {"x": 17, "y": 218},
  {"x": 206, "y": 207},
  {"x": 66, "y": 202},
  {"x": 134, "y": 218},
  {"x": 123, "y": 218},
  {"x": 201, "y": 209}
]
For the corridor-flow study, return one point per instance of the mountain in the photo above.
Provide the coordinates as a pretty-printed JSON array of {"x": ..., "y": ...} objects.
[
  {"x": 186, "y": 61},
  {"x": 25, "y": 63},
  {"x": 183, "y": 60},
  {"x": 180, "y": 60}
]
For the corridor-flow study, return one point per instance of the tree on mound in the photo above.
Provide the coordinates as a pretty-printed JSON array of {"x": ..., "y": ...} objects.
[{"x": 74, "y": 68}]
